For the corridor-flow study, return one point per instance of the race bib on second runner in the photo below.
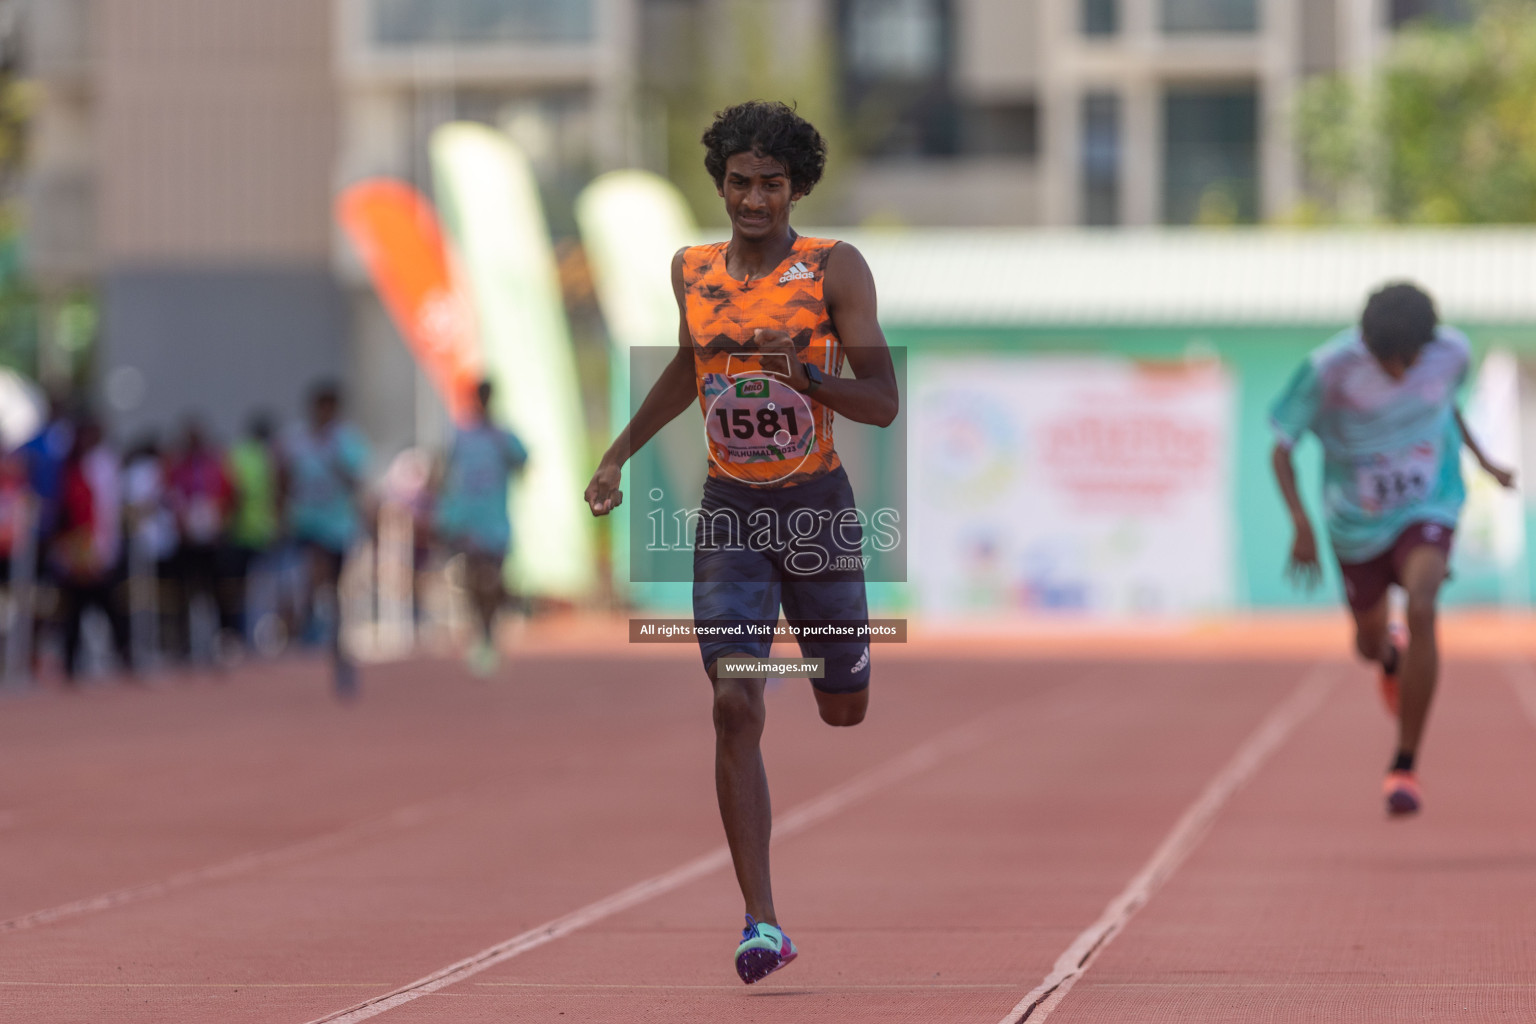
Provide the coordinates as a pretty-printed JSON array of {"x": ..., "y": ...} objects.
[
  {"x": 1390, "y": 481},
  {"x": 757, "y": 419}
]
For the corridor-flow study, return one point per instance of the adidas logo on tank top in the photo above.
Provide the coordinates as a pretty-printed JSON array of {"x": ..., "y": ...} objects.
[{"x": 798, "y": 272}]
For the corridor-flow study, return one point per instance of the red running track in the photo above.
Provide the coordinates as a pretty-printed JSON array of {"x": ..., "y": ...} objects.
[{"x": 246, "y": 850}]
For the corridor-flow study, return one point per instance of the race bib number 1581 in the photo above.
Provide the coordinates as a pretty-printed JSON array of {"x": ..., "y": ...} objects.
[{"x": 759, "y": 419}]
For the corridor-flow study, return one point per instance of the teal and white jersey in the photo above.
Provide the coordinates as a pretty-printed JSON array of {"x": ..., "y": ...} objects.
[
  {"x": 322, "y": 471},
  {"x": 1391, "y": 448},
  {"x": 473, "y": 506}
]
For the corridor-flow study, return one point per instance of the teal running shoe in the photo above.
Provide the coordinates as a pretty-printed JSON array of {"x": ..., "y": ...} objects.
[
  {"x": 763, "y": 950},
  {"x": 483, "y": 660}
]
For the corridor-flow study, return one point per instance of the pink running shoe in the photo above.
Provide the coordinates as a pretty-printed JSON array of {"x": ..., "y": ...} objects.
[{"x": 1402, "y": 792}]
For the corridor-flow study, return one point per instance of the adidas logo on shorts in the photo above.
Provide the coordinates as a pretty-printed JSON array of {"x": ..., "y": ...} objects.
[
  {"x": 798, "y": 272},
  {"x": 859, "y": 665}
]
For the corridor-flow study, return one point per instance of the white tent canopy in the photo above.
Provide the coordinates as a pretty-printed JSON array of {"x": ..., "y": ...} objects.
[{"x": 1184, "y": 276}]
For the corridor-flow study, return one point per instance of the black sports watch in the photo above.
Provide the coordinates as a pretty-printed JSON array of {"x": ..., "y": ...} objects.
[{"x": 812, "y": 376}]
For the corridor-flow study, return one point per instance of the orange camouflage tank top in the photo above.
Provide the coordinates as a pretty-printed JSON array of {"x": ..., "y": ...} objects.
[{"x": 761, "y": 431}]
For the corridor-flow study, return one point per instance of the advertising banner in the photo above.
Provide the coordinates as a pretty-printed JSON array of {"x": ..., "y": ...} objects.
[
  {"x": 491, "y": 204},
  {"x": 1490, "y": 542},
  {"x": 632, "y": 223},
  {"x": 1095, "y": 486},
  {"x": 398, "y": 237}
]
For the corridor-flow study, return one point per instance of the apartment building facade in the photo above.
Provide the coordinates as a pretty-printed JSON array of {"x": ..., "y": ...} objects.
[
  {"x": 185, "y": 153},
  {"x": 181, "y": 162},
  {"x": 1094, "y": 112}
]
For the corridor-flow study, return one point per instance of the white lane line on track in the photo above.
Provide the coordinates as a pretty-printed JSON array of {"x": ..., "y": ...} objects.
[
  {"x": 191, "y": 984},
  {"x": 403, "y": 817},
  {"x": 1523, "y": 678},
  {"x": 916, "y": 761},
  {"x": 600, "y": 987},
  {"x": 1187, "y": 833}
]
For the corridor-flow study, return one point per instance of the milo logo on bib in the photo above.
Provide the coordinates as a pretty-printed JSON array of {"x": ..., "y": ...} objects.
[{"x": 757, "y": 388}]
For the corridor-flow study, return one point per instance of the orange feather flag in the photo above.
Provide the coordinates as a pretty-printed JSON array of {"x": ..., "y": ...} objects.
[{"x": 398, "y": 236}]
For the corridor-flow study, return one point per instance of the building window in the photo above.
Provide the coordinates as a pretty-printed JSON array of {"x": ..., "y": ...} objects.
[
  {"x": 897, "y": 87},
  {"x": 1000, "y": 129},
  {"x": 1181, "y": 16},
  {"x": 1100, "y": 17},
  {"x": 1101, "y": 159},
  {"x": 1210, "y": 155},
  {"x": 1446, "y": 12},
  {"x": 401, "y": 23},
  {"x": 895, "y": 38}
]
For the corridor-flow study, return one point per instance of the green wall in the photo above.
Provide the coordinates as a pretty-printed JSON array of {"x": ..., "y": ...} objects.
[{"x": 1260, "y": 360}]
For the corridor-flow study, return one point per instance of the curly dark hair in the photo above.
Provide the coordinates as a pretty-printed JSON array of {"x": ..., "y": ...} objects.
[
  {"x": 770, "y": 129},
  {"x": 1398, "y": 321}
]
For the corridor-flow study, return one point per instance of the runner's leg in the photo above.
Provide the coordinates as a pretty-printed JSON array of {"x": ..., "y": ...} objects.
[
  {"x": 487, "y": 590},
  {"x": 483, "y": 580},
  {"x": 842, "y": 709},
  {"x": 325, "y": 569},
  {"x": 741, "y": 786},
  {"x": 833, "y": 595},
  {"x": 1424, "y": 570},
  {"x": 114, "y": 605},
  {"x": 736, "y": 587},
  {"x": 330, "y": 562},
  {"x": 1371, "y": 638},
  {"x": 71, "y": 613}
]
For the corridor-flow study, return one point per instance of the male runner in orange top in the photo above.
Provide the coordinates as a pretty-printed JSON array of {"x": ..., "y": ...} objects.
[{"x": 766, "y": 321}]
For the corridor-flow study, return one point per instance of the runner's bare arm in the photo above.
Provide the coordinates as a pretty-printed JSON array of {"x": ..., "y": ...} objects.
[
  {"x": 1304, "y": 567},
  {"x": 1505, "y": 477},
  {"x": 674, "y": 391},
  {"x": 849, "y": 290}
]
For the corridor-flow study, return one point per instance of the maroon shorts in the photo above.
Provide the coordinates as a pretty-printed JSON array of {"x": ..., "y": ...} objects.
[{"x": 1365, "y": 582}]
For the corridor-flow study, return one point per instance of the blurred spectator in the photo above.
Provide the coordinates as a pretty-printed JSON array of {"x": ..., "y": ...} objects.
[
  {"x": 252, "y": 468},
  {"x": 16, "y": 564},
  {"x": 15, "y": 502},
  {"x": 409, "y": 485},
  {"x": 45, "y": 455},
  {"x": 324, "y": 460},
  {"x": 201, "y": 498},
  {"x": 472, "y": 516},
  {"x": 151, "y": 527},
  {"x": 86, "y": 550}
]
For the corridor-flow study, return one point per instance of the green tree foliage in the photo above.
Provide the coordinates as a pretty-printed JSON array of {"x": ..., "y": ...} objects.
[
  {"x": 1444, "y": 131},
  {"x": 19, "y": 324}
]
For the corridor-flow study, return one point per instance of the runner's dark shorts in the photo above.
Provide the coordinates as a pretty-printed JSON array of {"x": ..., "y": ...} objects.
[
  {"x": 759, "y": 547},
  {"x": 1366, "y": 582}
]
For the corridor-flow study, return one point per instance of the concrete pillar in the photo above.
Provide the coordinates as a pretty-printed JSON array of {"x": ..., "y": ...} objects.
[
  {"x": 1141, "y": 125},
  {"x": 1141, "y": 164},
  {"x": 615, "y": 140},
  {"x": 1362, "y": 36},
  {"x": 1061, "y": 116},
  {"x": 1279, "y": 79}
]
